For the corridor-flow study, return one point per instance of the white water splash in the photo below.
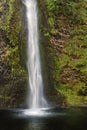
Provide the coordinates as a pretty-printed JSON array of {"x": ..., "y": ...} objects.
[{"x": 36, "y": 98}]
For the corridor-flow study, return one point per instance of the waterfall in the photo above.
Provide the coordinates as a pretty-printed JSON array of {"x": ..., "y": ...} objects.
[{"x": 36, "y": 98}]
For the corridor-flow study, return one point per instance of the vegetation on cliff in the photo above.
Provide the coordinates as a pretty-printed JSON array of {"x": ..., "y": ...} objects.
[
  {"x": 68, "y": 48},
  {"x": 12, "y": 73}
]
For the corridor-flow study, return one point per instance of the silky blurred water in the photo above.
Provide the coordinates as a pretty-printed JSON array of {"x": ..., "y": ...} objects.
[
  {"x": 74, "y": 118},
  {"x": 35, "y": 98}
]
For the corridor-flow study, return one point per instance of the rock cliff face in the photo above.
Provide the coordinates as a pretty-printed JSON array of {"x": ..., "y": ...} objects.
[
  {"x": 48, "y": 50},
  {"x": 65, "y": 25},
  {"x": 12, "y": 74}
]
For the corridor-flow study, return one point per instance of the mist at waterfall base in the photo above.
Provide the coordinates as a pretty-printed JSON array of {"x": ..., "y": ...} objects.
[{"x": 57, "y": 119}]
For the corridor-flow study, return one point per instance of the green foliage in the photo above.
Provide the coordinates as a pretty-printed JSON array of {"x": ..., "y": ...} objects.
[
  {"x": 78, "y": 86},
  {"x": 74, "y": 10},
  {"x": 45, "y": 31},
  {"x": 11, "y": 20},
  {"x": 71, "y": 96},
  {"x": 53, "y": 5},
  {"x": 84, "y": 70},
  {"x": 79, "y": 30},
  {"x": 61, "y": 62},
  {"x": 14, "y": 20},
  {"x": 81, "y": 63},
  {"x": 51, "y": 21},
  {"x": 12, "y": 27},
  {"x": 77, "y": 46},
  {"x": 9, "y": 14},
  {"x": 69, "y": 18},
  {"x": 64, "y": 60},
  {"x": 46, "y": 34},
  {"x": 15, "y": 75}
]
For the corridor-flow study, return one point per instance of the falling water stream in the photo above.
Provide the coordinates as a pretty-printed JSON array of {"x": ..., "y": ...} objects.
[{"x": 36, "y": 98}]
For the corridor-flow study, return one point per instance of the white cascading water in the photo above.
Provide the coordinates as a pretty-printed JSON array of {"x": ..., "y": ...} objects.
[{"x": 36, "y": 97}]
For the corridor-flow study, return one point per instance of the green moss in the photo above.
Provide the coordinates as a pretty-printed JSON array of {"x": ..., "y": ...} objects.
[
  {"x": 12, "y": 24},
  {"x": 61, "y": 62},
  {"x": 69, "y": 18},
  {"x": 51, "y": 21},
  {"x": 84, "y": 70},
  {"x": 81, "y": 63},
  {"x": 77, "y": 46},
  {"x": 71, "y": 95},
  {"x": 9, "y": 14},
  {"x": 73, "y": 10},
  {"x": 53, "y": 5},
  {"x": 79, "y": 30},
  {"x": 64, "y": 60},
  {"x": 1, "y": 6},
  {"x": 78, "y": 64},
  {"x": 14, "y": 19},
  {"x": 13, "y": 34}
]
